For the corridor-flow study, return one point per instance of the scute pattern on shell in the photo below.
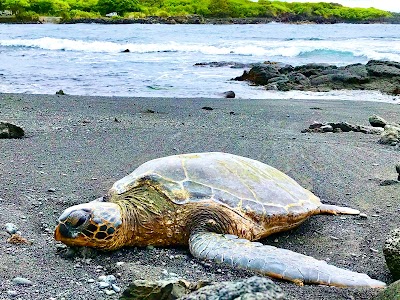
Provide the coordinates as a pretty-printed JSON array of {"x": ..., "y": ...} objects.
[{"x": 240, "y": 183}]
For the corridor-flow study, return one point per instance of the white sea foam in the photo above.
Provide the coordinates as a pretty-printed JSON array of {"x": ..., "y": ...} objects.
[{"x": 370, "y": 49}]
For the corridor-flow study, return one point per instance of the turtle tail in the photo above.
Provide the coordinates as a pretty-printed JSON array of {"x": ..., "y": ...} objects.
[
  {"x": 274, "y": 262},
  {"x": 334, "y": 210}
]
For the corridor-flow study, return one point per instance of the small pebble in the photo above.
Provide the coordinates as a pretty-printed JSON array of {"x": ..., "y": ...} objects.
[
  {"x": 11, "y": 228},
  {"x": 51, "y": 190},
  {"x": 110, "y": 279},
  {"x": 363, "y": 216},
  {"x": 22, "y": 281},
  {"x": 120, "y": 263},
  {"x": 374, "y": 250},
  {"x": 90, "y": 280},
  {"x": 109, "y": 292},
  {"x": 103, "y": 284},
  {"x": 12, "y": 293},
  {"x": 116, "y": 288}
]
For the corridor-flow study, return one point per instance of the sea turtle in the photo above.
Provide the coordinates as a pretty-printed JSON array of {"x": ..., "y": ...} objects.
[{"x": 217, "y": 203}]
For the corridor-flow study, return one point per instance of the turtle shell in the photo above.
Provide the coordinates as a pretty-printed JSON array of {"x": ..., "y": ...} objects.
[{"x": 237, "y": 182}]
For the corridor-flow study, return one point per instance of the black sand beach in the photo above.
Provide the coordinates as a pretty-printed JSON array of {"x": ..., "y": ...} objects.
[{"x": 76, "y": 147}]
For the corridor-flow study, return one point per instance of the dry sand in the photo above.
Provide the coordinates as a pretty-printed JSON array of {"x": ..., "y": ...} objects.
[{"x": 74, "y": 146}]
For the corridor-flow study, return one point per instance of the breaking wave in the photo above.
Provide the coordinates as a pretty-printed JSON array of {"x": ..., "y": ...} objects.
[{"x": 289, "y": 48}]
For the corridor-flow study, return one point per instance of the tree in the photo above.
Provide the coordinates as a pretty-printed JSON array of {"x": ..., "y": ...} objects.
[
  {"x": 41, "y": 6},
  {"x": 118, "y": 6},
  {"x": 219, "y": 8},
  {"x": 16, "y": 6}
]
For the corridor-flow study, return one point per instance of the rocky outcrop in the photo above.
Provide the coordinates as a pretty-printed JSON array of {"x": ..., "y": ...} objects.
[
  {"x": 375, "y": 75},
  {"x": 341, "y": 127},
  {"x": 254, "y": 288},
  {"x": 10, "y": 131},
  {"x": 391, "y": 250},
  {"x": 190, "y": 19},
  {"x": 157, "y": 290},
  {"x": 220, "y": 64}
]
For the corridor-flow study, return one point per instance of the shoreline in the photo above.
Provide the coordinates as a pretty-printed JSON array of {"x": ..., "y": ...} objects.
[
  {"x": 199, "y": 20},
  {"x": 77, "y": 146}
]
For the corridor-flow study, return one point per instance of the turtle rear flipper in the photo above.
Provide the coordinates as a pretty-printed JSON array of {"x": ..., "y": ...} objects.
[
  {"x": 275, "y": 262},
  {"x": 334, "y": 210}
]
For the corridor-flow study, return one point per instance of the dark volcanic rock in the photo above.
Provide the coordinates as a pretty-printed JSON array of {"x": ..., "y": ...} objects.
[
  {"x": 219, "y": 64},
  {"x": 254, "y": 288},
  {"x": 383, "y": 68},
  {"x": 10, "y": 131},
  {"x": 156, "y": 290},
  {"x": 377, "y": 121},
  {"x": 342, "y": 127},
  {"x": 261, "y": 73},
  {"x": 375, "y": 75},
  {"x": 229, "y": 94}
]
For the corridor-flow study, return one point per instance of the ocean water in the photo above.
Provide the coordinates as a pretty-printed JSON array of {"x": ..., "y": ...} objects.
[{"x": 87, "y": 59}]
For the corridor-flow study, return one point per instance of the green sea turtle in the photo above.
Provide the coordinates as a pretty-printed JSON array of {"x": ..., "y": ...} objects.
[{"x": 217, "y": 203}]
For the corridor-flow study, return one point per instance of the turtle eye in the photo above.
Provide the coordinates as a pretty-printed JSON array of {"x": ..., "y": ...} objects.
[
  {"x": 80, "y": 221},
  {"x": 77, "y": 218}
]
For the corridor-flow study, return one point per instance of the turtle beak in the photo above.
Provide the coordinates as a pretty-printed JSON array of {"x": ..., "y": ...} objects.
[
  {"x": 57, "y": 234},
  {"x": 62, "y": 232}
]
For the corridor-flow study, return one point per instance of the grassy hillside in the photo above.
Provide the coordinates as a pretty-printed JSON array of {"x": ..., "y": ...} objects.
[{"x": 280, "y": 11}]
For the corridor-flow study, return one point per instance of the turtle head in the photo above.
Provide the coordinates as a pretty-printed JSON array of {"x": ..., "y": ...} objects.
[{"x": 94, "y": 224}]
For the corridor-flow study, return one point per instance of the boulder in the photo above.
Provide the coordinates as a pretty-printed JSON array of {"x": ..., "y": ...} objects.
[
  {"x": 383, "y": 68},
  {"x": 392, "y": 292},
  {"x": 313, "y": 69},
  {"x": 391, "y": 250},
  {"x": 260, "y": 74},
  {"x": 253, "y": 288},
  {"x": 156, "y": 290},
  {"x": 10, "y": 131},
  {"x": 377, "y": 121},
  {"x": 390, "y": 135},
  {"x": 356, "y": 73},
  {"x": 229, "y": 94}
]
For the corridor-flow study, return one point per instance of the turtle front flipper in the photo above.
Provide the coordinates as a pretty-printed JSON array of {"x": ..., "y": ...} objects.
[{"x": 274, "y": 262}]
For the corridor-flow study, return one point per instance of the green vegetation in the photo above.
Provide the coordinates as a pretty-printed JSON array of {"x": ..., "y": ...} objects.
[{"x": 281, "y": 11}]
